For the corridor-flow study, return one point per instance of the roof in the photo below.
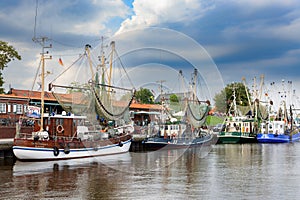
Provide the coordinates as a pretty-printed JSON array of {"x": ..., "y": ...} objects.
[
  {"x": 27, "y": 94},
  {"x": 145, "y": 106},
  {"x": 36, "y": 95}
]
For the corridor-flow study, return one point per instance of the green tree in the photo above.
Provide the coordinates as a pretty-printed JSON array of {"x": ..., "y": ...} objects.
[
  {"x": 225, "y": 97},
  {"x": 7, "y": 54},
  {"x": 144, "y": 95},
  {"x": 174, "y": 98},
  {"x": 221, "y": 102}
]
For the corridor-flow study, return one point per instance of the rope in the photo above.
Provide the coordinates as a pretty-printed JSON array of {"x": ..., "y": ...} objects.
[
  {"x": 68, "y": 67},
  {"x": 36, "y": 74},
  {"x": 124, "y": 69},
  {"x": 107, "y": 111}
]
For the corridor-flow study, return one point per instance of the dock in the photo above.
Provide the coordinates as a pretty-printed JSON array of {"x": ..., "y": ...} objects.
[{"x": 6, "y": 148}]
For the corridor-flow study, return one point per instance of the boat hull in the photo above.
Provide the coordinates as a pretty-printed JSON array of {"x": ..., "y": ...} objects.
[
  {"x": 25, "y": 153},
  {"x": 152, "y": 144},
  {"x": 235, "y": 138},
  {"x": 277, "y": 138}
]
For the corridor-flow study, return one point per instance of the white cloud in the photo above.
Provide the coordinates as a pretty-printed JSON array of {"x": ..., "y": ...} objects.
[
  {"x": 289, "y": 31},
  {"x": 264, "y": 3},
  {"x": 155, "y": 12}
]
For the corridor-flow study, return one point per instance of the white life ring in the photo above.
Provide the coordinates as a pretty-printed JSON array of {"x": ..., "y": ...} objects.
[{"x": 59, "y": 128}]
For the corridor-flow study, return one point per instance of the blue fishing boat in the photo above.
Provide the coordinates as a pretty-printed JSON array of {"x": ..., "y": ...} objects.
[{"x": 280, "y": 128}]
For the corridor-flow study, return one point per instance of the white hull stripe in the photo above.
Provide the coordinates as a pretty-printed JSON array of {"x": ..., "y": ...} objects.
[{"x": 71, "y": 150}]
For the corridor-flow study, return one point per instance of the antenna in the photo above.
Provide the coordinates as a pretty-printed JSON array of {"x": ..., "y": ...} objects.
[
  {"x": 35, "y": 17},
  {"x": 161, "y": 85}
]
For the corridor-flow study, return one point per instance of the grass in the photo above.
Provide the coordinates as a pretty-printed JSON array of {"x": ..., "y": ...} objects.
[{"x": 214, "y": 120}]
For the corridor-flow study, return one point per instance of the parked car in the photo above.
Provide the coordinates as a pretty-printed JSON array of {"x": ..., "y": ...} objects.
[{"x": 219, "y": 127}]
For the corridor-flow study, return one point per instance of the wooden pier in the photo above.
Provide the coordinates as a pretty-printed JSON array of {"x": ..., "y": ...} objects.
[{"x": 6, "y": 148}]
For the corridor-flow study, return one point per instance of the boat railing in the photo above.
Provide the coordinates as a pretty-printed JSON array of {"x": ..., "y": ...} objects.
[
  {"x": 24, "y": 136},
  {"x": 43, "y": 136}
]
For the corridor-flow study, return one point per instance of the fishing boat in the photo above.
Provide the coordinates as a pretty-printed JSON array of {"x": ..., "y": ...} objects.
[
  {"x": 279, "y": 128},
  {"x": 238, "y": 128},
  {"x": 282, "y": 123},
  {"x": 183, "y": 129},
  {"x": 88, "y": 126}
]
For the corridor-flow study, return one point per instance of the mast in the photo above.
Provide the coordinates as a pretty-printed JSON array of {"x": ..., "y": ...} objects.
[
  {"x": 162, "y": 99},
  {"x": 194, "y": 86},
  {"x": 110, "y": 62},
  {"x": 262, "y": 83},
  {"x": 234, "y": 103},
  {"x": 248, "y": 98},
  {"x": 41, "y": 41},
  {"x": 43, "y": 57},
  {"x": 87, "y": 48}
]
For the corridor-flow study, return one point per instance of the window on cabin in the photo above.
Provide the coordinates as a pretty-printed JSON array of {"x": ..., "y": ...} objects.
[
  {"x": 59, "y": 122},
  {"x": 47, "y": 121},
  {"x": 2, "y": 107}
]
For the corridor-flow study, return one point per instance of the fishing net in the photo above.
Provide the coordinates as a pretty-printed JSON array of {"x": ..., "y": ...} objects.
[{"x": 92, "y": 88}]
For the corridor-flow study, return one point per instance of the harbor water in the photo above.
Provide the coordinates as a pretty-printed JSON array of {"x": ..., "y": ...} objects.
[{"x": 230, "y": 171}]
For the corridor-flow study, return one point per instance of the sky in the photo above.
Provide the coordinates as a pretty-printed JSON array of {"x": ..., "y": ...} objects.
[{"x": 225, "y": 40}]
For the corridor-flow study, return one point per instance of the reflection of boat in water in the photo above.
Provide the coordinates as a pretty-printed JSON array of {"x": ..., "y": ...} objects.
[
  {"x": 28, "y": 168},
  {"x": 67, "y": 136},
  {"x": 184, "y": 128}
]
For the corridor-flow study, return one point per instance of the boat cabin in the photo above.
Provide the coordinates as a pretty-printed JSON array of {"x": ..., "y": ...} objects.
[
  {"x": 275, "y": 127},
  {"x": 240, "y": 124},
  {"x": 172, "y": 130},
  {"x": 62, "y": 126}
]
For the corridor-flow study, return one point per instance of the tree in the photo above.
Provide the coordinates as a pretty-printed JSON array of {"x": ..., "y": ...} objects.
[
  {"x": 174, "y": 98},
  {"x": 225, "y": 97},
  {"x": 221, "y": 102},
  {"x": 144, "y": 95},
  {"x": 7, "y": 54}
]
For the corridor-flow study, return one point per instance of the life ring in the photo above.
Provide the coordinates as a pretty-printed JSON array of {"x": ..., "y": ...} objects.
[
  {"x": 55, "y": 151},
  {"x": 59, "y": 128}
]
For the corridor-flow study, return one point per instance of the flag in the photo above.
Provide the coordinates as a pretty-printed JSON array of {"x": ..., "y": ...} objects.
[{"x": 60, "y": 62}]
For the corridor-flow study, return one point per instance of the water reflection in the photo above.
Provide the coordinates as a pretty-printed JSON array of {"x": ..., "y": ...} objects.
[{"x": 249, "y": 171}]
